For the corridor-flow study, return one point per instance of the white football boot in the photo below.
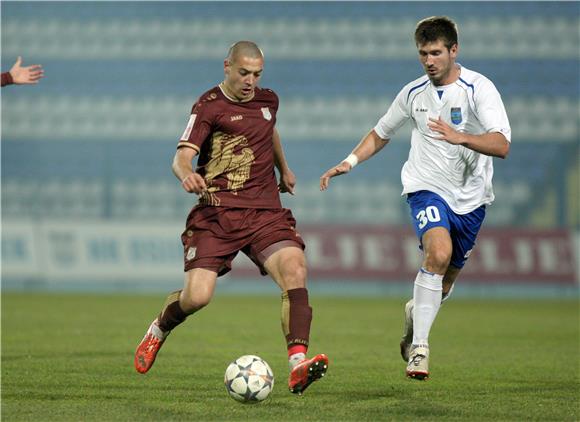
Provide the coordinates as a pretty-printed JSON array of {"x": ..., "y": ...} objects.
[{"x": 418, "y": 365}]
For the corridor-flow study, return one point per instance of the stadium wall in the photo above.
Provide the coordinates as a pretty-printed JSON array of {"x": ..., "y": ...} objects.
[{"x": 102, "y": 255}]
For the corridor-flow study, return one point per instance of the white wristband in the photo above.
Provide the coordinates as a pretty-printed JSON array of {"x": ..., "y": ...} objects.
[{"x": 352, "y": 160}]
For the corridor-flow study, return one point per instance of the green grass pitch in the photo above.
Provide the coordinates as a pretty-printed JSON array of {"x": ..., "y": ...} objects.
[{"x": 70, "y": 358}]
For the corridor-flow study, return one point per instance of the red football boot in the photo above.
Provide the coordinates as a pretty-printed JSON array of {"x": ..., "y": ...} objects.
[
  {"x": 306, "y": 372},
  {"x": 148, "y": 348}
]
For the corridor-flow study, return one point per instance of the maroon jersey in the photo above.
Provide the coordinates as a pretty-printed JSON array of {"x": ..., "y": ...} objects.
[{"x": 236, "y": 154}]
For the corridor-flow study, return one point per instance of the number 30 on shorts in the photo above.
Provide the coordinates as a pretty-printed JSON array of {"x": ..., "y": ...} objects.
[{"x": 429, "y": 214}]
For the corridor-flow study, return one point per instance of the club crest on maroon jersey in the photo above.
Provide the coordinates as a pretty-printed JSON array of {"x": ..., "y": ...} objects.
[{"x": 266, "y": 113}]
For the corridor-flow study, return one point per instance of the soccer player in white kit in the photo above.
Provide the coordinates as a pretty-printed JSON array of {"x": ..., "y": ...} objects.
[{"x": 458, "y": 124}]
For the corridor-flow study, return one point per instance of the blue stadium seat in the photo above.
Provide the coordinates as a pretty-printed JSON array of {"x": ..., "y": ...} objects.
[{"x": 101, "y": 129}]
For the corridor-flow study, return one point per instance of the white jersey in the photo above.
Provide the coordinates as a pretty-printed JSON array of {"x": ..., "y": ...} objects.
[{"x": 459, "y": 175}]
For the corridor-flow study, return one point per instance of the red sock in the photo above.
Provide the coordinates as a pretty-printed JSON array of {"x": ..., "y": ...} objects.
[{"x": 297, "y": 348}]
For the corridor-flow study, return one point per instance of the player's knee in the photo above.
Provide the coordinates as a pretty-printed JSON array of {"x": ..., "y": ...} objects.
[
  {"x": 192, "y": 302},
  {"x": 294, "y": 273},
  {"x": 300, "y": 273},
  {"x": 437, "y": 260}
]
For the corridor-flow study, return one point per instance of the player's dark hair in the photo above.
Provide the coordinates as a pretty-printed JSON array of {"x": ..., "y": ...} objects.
[{"x": 436, "y": 28}]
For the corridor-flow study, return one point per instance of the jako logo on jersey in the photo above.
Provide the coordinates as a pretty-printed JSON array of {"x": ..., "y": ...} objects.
[
  {"x": 456, "y": 115},
  {"x": 238, "y": 117},
  {"x": 190, "y": 254},
  {"x": 266, "y": 113}
]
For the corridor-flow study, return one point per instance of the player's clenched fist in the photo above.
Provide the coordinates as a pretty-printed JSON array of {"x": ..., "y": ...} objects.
[
  {"x": 342, "y": 168},
  {"x": 194, "y": 183}
]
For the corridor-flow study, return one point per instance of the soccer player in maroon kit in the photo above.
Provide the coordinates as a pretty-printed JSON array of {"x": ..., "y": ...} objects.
[{"x": 232, "y": 131}]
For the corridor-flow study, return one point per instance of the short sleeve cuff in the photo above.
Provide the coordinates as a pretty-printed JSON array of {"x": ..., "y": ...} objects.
[
  {"x": 505, "y": 132},
  {"x": 379, "y": 131},
  {"x": 186, "y": 144}
]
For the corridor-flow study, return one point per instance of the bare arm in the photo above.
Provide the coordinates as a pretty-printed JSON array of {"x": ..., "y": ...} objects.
[
  {"x": 493, "y": 144},
  {"x": 367, "y": 147},
  {"x": 287, "y": 177},
  {"x": 182, "y": 167}
]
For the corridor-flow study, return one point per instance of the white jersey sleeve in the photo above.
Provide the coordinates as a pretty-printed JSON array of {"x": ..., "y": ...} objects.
[
  {"x": 396, "y": 116},
  {"x": 490, "y": 109}
]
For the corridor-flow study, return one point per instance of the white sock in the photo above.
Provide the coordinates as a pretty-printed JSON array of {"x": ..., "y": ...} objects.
[
  {"x": 157, "y": 331},
  {"x": 295, "y": 359},
  {"x": 427, "y": 299}
]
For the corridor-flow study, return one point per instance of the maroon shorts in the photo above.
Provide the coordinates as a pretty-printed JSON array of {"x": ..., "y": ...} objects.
[{"x": 214, "y": 236}]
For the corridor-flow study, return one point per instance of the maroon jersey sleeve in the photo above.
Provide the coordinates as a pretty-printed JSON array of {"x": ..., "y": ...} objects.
[{"x": 199, "y": 126}]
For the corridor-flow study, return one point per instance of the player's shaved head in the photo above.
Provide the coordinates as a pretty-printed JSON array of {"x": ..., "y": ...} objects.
[
  {"x": 242, "y": 69},
  {"x": 244, "y": 49}
]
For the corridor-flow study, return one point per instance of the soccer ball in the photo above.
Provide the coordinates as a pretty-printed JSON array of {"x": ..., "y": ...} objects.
[{"x": 249, "y": 379}]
